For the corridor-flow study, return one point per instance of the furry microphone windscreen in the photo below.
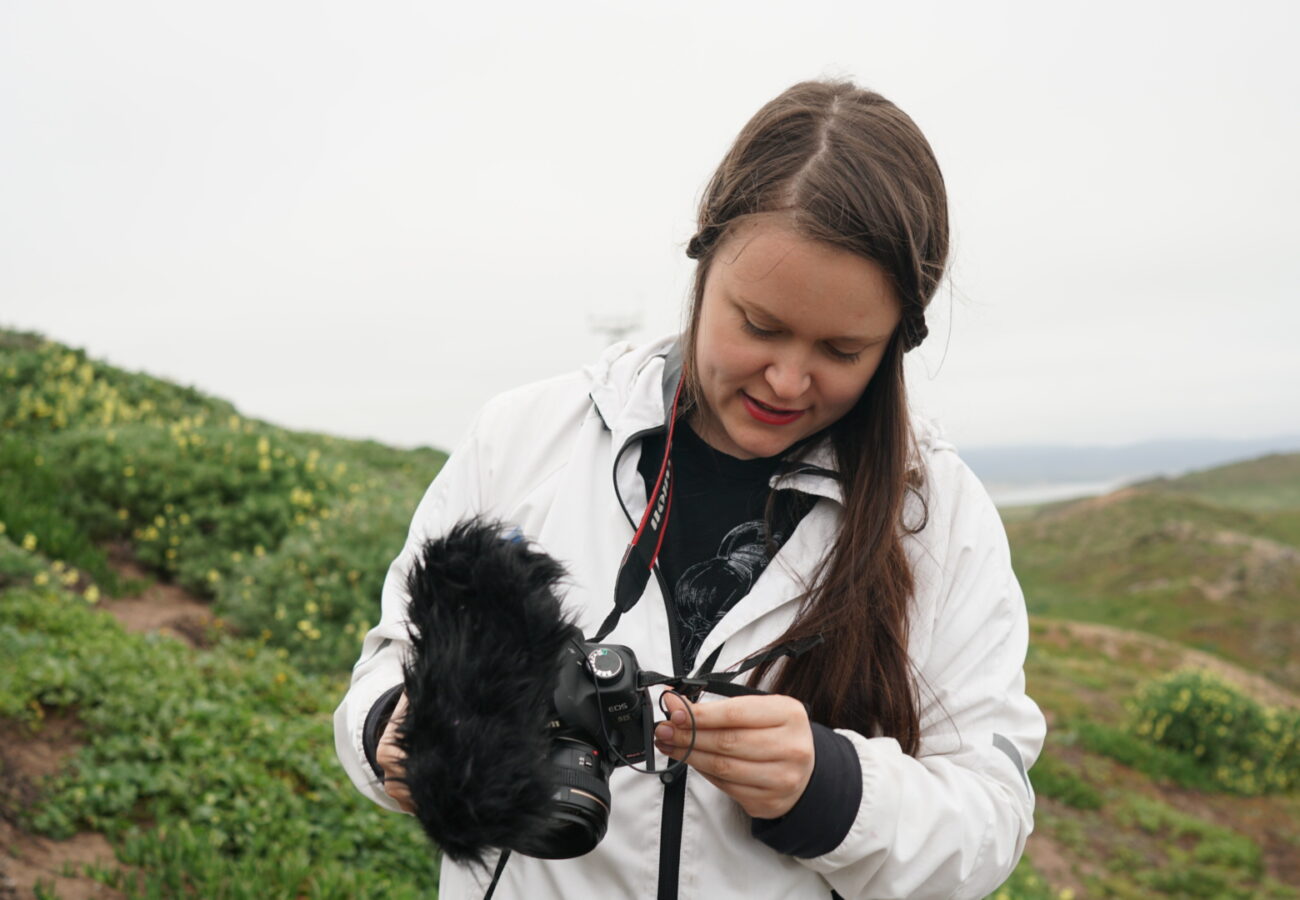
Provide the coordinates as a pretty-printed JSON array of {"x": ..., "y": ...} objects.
[{"x": 486, "y": 632}]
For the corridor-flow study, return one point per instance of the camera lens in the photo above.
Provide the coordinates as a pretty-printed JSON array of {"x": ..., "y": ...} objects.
[{"x": 579, "y": 811}]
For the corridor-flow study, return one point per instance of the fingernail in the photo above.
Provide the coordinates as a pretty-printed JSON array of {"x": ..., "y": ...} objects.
[
  {"x": 664, "y": 732},
  {"x": 679, "y": 717}
]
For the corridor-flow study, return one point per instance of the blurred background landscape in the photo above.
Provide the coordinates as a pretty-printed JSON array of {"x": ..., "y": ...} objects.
[
  {"x": 183, "y": 591},
  {"x": 261, "y": 263}
]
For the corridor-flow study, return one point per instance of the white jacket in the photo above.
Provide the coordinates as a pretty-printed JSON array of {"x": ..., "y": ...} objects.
[{"x": 951, "y": 822}]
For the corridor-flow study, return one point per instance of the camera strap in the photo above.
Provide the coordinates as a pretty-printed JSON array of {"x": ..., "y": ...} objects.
[
  {"x": 723, "y": 683},
  {"x": 641, "y": 554}
]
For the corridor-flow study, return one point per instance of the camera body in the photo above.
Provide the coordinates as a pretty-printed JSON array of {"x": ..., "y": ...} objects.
[
  {"x": 598, "y": 696},
  {"x": 602, "y": 719}
]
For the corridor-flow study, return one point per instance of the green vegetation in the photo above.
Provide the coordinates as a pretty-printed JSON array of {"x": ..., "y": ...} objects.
[
  {"x": 214, "y": 772},
  {"x": 1268, "y": 483},
  {"x": 289, "y": 533},
  {"x": 1222, "y": 579},
  {"x": 1242, "y": 746}
]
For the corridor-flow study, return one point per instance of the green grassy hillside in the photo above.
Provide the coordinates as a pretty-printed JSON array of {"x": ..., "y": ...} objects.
[
  {"x": 1168, "y": 560},
  {"x": 1268, "y": 483},
  {"x": 210, "y": 769}
]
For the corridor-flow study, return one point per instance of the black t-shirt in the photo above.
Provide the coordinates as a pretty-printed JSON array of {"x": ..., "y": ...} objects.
[{"x": 720, "y": 534}]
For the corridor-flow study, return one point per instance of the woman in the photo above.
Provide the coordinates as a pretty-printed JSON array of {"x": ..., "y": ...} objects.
[{"x": 891, "y": 760}]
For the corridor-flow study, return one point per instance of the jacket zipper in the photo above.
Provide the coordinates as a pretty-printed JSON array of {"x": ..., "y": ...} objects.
[{"x": 674, "y": 809}]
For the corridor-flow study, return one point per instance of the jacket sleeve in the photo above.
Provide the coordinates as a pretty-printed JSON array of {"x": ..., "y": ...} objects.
[
  {"x": 952, "y": 821},
  {"x": 454, "y": 494}
]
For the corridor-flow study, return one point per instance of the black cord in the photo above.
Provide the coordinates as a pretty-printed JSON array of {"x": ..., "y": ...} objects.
[
  {"x": 669, "y": 775},
  {"x": 496, "y": 876},
  {"x": 675, "y": 766}
]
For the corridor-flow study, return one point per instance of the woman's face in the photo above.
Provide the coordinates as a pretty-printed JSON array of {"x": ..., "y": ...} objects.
[{"x": 790, "y": 332}]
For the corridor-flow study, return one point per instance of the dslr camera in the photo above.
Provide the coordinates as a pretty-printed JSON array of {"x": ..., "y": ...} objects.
[
  {"x": 514, "y": 720},
  {"x": 602, "y": 719}
]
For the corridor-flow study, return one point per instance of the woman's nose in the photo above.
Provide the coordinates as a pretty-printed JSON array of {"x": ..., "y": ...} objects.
[{"x": 788, "y": 377}]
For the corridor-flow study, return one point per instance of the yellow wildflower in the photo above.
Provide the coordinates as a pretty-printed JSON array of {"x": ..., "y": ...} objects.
[
  {"x": 122, "y": 514},
  {"x": 214, "y": 576},
  {"x": 92, "y": 594},
  {"x": 29, "y": 541},
  {"x": 129, "y": 471},
  {"x": 259, "y": 551},
  {"x": 42, "y": 578}
]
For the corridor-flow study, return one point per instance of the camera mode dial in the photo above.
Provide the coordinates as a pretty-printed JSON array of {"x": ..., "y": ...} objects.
[{"x": 605, "y": 663}]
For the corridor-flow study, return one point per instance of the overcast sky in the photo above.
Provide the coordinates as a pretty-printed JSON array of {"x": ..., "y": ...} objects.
[{"x": 367, "y": 218}]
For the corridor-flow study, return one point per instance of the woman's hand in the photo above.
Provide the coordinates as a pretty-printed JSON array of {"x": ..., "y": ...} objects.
[
  {"x": 757, "y": 750},
  {"x": 390, "y": 758}
]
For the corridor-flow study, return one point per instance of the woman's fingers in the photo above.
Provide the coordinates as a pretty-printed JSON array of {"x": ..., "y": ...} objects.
[
  {"x": 758, "y": 711},
  {"x": 390, "y": 758},
  {"x": 758, "y": 750},
  {"x": 754, "y": 744},
  {"x": 764, "y": 790},
  {"x": 731, "y": 769}
]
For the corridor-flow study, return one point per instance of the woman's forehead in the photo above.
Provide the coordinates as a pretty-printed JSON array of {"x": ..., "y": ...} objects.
[{"x": 786, "y": 276}]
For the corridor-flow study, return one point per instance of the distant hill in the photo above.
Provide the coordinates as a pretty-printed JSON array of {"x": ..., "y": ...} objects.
[
  {"x": 1056, "y": 463},
  {"x": 1269, "y": 483},
  {"x": 1211, "y": 559}
]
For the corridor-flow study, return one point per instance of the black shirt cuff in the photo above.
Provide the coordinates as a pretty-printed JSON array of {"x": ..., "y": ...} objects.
[
  {"x": 822, "y": 817},
  {"x": 376, "y": 722}
]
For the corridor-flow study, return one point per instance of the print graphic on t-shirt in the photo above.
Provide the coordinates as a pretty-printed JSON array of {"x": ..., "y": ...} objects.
[{"x": 708, "y": 589}]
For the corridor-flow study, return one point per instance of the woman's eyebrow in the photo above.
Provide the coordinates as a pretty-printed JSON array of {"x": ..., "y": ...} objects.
[{"x": 776, "y": 320}]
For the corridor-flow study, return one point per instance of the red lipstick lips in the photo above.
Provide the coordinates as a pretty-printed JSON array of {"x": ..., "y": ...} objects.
[{"x": 769, "y": 415}]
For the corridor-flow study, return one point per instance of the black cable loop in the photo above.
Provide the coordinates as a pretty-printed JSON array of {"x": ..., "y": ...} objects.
[{"x": 674, "y": 766}]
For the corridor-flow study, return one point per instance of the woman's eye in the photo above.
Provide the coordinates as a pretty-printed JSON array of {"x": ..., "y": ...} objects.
[
  {"x": 756, "y": 331},
  {"x": 844, "y": 356}
]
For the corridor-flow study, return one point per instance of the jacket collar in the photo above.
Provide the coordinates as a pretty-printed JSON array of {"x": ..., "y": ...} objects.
[{"x": 633, "y": 390}]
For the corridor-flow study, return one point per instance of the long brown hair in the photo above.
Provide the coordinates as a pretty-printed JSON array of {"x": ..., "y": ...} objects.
[{"x": 845, "y": 166}]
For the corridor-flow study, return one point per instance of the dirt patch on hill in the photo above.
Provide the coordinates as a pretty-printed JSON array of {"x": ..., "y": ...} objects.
[
  {"x": 164, "y": 608},
  {"x": 1099, "y": 502},
  {"x": 1055, "y": 863},
  {"x": 29, "y": 754},
  {"x": 1156, "y": 651},
  {"x": 26, "y": 756}
]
